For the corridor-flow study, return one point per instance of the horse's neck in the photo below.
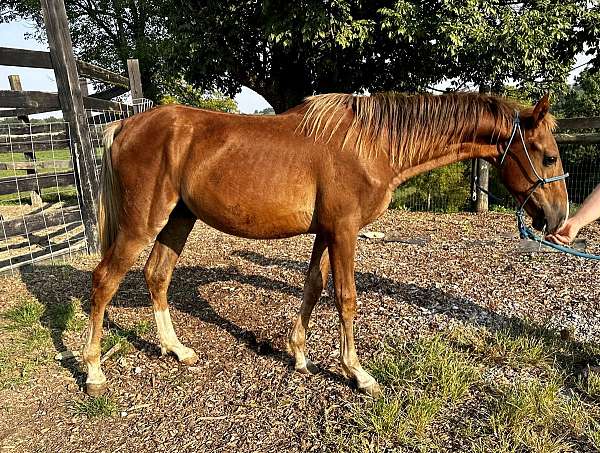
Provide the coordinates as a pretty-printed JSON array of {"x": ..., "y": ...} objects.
[{"x": 455, "y": 152}]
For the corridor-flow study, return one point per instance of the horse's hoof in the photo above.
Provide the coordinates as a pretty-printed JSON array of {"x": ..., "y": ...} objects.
[
  {"x": 373, "y": 390},
  {"x": 308, "y": 368},
  {"x": 191, "y": 360},
  {"x": 94, "y": 390}
]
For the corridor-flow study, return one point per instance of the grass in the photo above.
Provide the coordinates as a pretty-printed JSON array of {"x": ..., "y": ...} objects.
[
  {"x": 26, "y": 345},
  {"x": 516, "y": 389},
  {"x": 124, "y": 338},
  {"x": 25, "y": 314},
  {"x": 67, "y": 317},
  {"x": 100, "y": 406},
  {"x": 51, "y": 194}
]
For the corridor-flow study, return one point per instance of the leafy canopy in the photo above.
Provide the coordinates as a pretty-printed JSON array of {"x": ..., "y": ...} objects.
[{"x": 287, "y": 50}]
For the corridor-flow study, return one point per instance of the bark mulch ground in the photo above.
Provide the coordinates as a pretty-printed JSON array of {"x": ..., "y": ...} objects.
[{"x": 234, "y": 301}]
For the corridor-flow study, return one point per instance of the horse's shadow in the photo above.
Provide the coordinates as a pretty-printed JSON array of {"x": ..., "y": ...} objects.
[{"x": 43, "y": 283}]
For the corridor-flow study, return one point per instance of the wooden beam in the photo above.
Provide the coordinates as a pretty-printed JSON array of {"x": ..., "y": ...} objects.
[
  {"x": 39, "y": 221},
  {"x": 25, "y": 58},
  {"x": 579, "y": 123},
  {"x": 110, "y": 93},
  {"x": 71, "y": 100},
  {"x": 75, "y": 244},
  {"x": 38, "y": 165},
  {"x": 29, "y": 99},
  {"x": 92, "y": 103},
  {"x": 37, "y": 146},
  {"x": 577, "y": 139},
  {"x": 40, "y": 59},
  {"x": 34, "y": 182},
  {"x": 7, "y": 113},
  {"x": 30, "y": 129},
  {"x": 92, "y": 71},
  {"x": 32, "y": 138}
]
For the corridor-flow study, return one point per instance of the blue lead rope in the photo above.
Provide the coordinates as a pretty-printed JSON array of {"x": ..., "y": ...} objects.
[{"x": 526, "y": 233}]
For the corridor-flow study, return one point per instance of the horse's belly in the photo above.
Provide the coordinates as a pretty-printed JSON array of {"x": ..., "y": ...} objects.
[{"x": 252, "y": 215}]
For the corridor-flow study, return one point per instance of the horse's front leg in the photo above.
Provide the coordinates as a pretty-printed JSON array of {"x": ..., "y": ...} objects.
[{"x": 342, "y": 249}]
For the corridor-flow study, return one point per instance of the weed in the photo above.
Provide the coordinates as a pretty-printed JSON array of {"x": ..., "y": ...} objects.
[
  {"x": 100, "y": 406},
  {"x": 27, "y": 313}
]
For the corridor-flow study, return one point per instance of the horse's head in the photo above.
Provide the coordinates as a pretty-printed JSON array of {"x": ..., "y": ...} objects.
[{"x": 527, "y": 171}]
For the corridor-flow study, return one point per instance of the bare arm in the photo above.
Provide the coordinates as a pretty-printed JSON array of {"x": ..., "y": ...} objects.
[{"x": 587, "y": 213}]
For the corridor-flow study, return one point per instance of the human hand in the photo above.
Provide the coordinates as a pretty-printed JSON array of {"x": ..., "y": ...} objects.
[{"x": 565, "y": 234}]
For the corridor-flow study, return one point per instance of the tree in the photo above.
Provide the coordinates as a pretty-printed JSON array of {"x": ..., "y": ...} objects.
[
  {"x": 183, "y": 93},
  {"x": 288, "y": 50},
  {"x": 266, "y": 111}
]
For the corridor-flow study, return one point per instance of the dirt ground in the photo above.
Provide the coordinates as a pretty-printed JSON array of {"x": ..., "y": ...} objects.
[{"x": 234, "y": 301}]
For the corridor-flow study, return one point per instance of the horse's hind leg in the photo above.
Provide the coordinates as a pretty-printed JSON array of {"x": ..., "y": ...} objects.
[
  {"x": 117, "y": 260},
  {"x": 158, "y": 272},
  {"x": 316, "y": 279}
]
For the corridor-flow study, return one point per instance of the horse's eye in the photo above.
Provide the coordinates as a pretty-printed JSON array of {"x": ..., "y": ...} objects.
[{"x": 549, "y": 161}]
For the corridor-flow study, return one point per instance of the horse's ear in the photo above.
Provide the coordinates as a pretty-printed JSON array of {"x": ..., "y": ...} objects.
[{"x": 540, "y": 109}]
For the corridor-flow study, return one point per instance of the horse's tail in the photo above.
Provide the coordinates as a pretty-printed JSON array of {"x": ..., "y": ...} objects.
[{"x": 110, "y": 195}]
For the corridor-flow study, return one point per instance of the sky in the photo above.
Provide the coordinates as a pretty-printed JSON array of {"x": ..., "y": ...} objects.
[{"x": 13, "y": 35}]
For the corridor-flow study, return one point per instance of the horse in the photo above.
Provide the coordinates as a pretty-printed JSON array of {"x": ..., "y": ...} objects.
[{"x": 326, "y": 167}]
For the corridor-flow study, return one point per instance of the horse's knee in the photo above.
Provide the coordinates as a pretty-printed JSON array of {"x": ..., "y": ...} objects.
[{"x": 346, "y": 302}]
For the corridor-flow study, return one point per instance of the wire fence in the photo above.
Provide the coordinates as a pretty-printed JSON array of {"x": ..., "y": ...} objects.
[
  {"x": 40, "y": 209},
  {"x": 40, "y": 216}
]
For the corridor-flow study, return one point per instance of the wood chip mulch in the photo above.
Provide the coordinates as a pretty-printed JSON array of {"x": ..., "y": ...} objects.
[{"x": 234, "y": 301}]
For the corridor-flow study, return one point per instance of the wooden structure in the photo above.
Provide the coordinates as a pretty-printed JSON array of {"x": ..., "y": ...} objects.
[
  {"x": 76, "y": 105},
  {"x": 71, "y": 75}
]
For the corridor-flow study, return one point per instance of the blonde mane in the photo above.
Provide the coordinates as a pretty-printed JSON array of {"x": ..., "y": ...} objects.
[{"x": 407, "y": 126}]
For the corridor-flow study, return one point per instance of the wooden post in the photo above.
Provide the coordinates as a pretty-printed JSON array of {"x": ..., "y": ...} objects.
[
  {"x": 482, "y": 174},
  {"x": 135, "y": 82},
  {"x": 83, "y": 86},
  {"x": 483, "y": 178},
  {"x": 71, "y": 101},
  {"x": 36, "y": 197}
]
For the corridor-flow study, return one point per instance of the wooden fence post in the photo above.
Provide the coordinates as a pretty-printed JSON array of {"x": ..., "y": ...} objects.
[
  {"x": 36, "y": 197},
  {"x": 483, "y": 179},
  {"x": 135, "y": 82},
  {"x": 480, "y": 175},
  {"x": 71, "y": 101}
]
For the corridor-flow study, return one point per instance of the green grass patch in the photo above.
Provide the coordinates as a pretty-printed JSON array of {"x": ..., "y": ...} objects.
[
  {"x": 116, "y": 337},
  {"x": 515, "y": 389},
  {"x": 123, "y": 337},
  {"x": 25, "y": 314},
  {"x": 100, "y": 406},
  {"x": 67, "y": 317}
]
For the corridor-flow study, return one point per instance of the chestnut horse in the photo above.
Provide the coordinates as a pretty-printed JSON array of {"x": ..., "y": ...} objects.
[{"x": 327, "y": 167}]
